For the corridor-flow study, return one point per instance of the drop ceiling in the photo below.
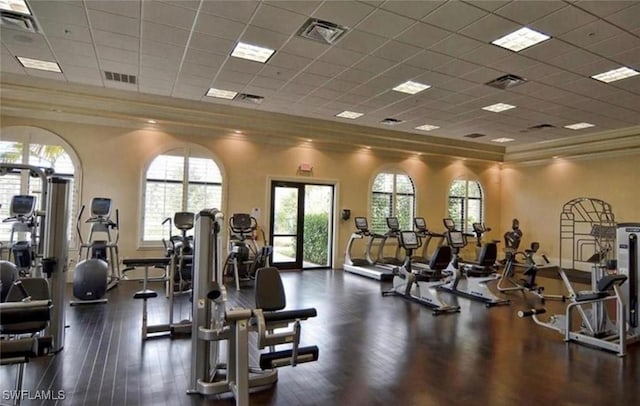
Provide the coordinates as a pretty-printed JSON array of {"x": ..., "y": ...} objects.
[{"x": 181, "y": 49}]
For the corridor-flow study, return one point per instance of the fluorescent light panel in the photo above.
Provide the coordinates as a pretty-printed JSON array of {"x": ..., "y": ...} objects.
[
  {"x": 39, "y": 64},
  {"x": 520, "y": 39},
  {"x": 498, "y": 107},
  {"x": 427, "y": 127},
  {"x": 615, "y": 74},
  {"x": 411, "y": 87},
  {"x": 252, "y": 52},
  {"x": 16, "y": 6},
  {"x": 502, "y": 140},
  {"x": 349, "y": 114},
  {"x": 221, "y": 94},
  {"x": 579, "y": 126}
]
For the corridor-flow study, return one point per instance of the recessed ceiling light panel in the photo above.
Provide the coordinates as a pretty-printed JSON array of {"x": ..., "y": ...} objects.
[
  {"x": 498, "y": 107},
  {"x": 15, "y": 6},
  {"x": 615, "y": 74},
  {"x": 39, "y": 64},
  {"x": 349, "y": 114},
  {"x": 427, "y": 127},
  {"x": 252, "y": 52},
  {"x": 411, "y": 87},
  {"x": 502, "y": 140},
  {"x": 579, "y": 126},
  {"x": 221, "y": 94},
  {"x": 520, "y": 39}
]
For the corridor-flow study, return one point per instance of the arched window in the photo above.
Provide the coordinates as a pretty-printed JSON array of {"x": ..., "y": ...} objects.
[
  {"x": 465, "y": 204},
  {"x": 38, "y": 147},
  {"x": 183, "y": 179},
  {"x": 392, "y": 194}
]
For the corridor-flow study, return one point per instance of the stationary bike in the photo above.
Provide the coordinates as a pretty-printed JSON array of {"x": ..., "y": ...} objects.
[{"x": 421, "y": 287}]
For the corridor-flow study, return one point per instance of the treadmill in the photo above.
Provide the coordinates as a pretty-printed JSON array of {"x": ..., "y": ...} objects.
[
  {"x": 427, "y": 236},
  {"x": 365, "y": 266}
]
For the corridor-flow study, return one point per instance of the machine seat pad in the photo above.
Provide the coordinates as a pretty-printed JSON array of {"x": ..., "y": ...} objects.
[
  {"x": 25, "y": 348},
  {"x": 135, "y": 262},
  {"x": 606, "y": 282},
  {"x": 276, "y": 359},
  {"x": 285, "y": 315},
  {"x": 589, "y": 295}
]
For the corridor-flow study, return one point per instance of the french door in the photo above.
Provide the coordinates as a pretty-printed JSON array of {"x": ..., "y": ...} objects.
[{"x": 301, "y": 230}]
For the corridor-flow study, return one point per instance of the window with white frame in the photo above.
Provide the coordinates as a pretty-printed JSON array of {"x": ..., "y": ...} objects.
[
  {"x": 392, "y": 194},
  {"x": 37, "y": 147},
  {"x": 465, "y": 204},
  {"x": 183, "y": 179}
]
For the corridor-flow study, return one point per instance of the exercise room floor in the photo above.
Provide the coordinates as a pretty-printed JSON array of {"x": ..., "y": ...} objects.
[{"x": 373, "y": 351}]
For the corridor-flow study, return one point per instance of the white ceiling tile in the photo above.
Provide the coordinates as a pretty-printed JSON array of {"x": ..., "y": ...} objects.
[
  {"x": 348, "y": 13},
  {"x": 456, "y": 45},
  {"x": 199, "y": 81},
  {"x": 396, "y": 51},
  {"x": 429, "y": 60},
  {"x": 458, "y": 85},
  {"x": 160, "y": 49},
  {"x": 591, "y": 33},
  {"x": 385, "y": 24},
  {"x": 152, "y": 73},
  {"x": 45, "y": 74},
  {"x": 340, "y": 85},
  {"x": 53, "y": 28},
  {"x": 328, "y": 94},
  {"x": 264, "y": 38},
  {"x": 190, "y": 4},
  {"x": 629, "y": 18},
  {"x": 341, "y": 56},
  {"x": 457, "y": 68},
  {"x": 489, "y": 5},
  {"x": 548, "y": 50},
  {"x": 604, "y": 8},
  {"x": 104, "y": 21},
  {"x": 16, "y": 40},
  {"x": 218, "y": 26},
  {"x": 113, "y": 40},
  {"x": 350, "y": 99},
  {"x": 563, "y": 20},
  {"x": 630, "y": 57},
  {"x": 277, "y": 72},
  {"x": 360, "y": 41},
  {"x": 355, "y": 76},
  {"x": 163, "y": 33},
  {"x": 185, "y": 91},
  {"x": 600, "y": 65},
  {"x": 88, "y": 62},
  {"x": 589, "y": 87},
  {"x": 72, "y": 71},
  {"x": 300, "y": 7},
  {"x": 433, "y": 78},
  {"x": 123, "y": 8},
  {"x": 260, "y": 91},
  {"x": 117, "y": 54},
  {"x": 277, "y": 19},
  {"x": 242, "y": 65},
  {"x": 234, "y": 77},
  {"x": 482, "y": 75},
  {"x": 36, "y": 49},
  {"x": 227, "y": 85},
  {"x": 560, "y": 78},
  {"x": 454, "y": 15},
  {"x": 296, "y": 89},
  {"x": 304, "y": 47},
  {"x": 325, "y": 69},
  {"x": 194, "y": 69},
  {"x": 285, "y": 60},
  {"x": 8, "y": 63},
  {"x": 267, "y": 82},
  {"x": 411, "y": 8},
  {"x": 489, "y": 28},
  {"x": 235, "y": 10},
  {"x": 210, "y": 43},
  {"x": 574, "y": 59},
  {"x": 365, "y": 91},
  {"x": 310, "y": 79},
  {"x": 486, "y": 54},
  {"x": 525, "y": 12},
  {"x": 423, "y": 35},
  {"x": 374, "y": 65},
  {"x": 63, "y": 12},
  {"x": 199, "y": 57},
  {"x": 167, "y": 14},
  {"x": 615, "y": 45},
  {"x": 403, "y": 72}
]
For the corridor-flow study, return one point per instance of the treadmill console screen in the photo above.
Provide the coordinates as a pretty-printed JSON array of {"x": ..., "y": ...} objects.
[
  {"x": 392, "y": 223},
  {"x": 409, "y": 239},
  {"x": 449, "y": 224},
  {"x": 100, "y": 207},
  {"x": 420, "y": 223},
  {"x": 456, "y": 239},
  {"x": 22, "y": 205},
  {"x": 361, "y": 223}
]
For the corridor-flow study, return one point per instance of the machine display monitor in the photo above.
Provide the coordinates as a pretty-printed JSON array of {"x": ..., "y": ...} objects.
[
  {"x": 392, "y": 223},
  {"x": 456, "y": 239},
  {"x": 361, "y": 223},
  {"x": 420, "y": 223},
  {"x": 409, "y": 239},
  {"x": 449, "y": 224},
  {"x": 22, "y": 205},
  {"x": 183, "y": 220},
  {"x": 240, "y": 221},
  {"x": 100, "y": 207}
]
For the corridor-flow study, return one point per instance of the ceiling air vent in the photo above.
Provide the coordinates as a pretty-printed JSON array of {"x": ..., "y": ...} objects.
[
  {"x": 506, "y": 82},
  {"x": 249, "y": 98},
  {"x": 474, "y": 135},
  {"x": 120, "y": 77},
  {"x": 391, "y": 121},
  {"x": 322, "y": 31}
]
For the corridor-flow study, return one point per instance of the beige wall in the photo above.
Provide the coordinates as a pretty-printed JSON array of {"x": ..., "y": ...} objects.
[
  {"x": 113, "y": 160},
  {"x": 536, "y": 194}
]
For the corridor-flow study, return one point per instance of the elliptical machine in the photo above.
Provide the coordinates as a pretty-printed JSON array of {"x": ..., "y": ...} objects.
[
  {"x": 98, "y": 267},
  {"x": 23, "y": 252},
  {"x": 245, "y": 257},
  {"x": 469, "y": 279},
  {"x": 180, "y": 249},
  {"x": 420, "y": 287}
]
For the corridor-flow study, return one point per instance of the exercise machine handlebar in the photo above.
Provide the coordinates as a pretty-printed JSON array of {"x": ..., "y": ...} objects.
[{"x": 531, "y": 312}]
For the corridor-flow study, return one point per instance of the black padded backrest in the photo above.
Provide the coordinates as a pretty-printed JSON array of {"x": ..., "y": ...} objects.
[
  {"x": 270, "y": 294},
  {"x": 488, "y": 254},
  {"x": 440, "y": 258},
  {"x": 37, "y": 289}
]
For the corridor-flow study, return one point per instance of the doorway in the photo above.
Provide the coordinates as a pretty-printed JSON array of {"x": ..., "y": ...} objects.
[{"x": 301, "y": 229}]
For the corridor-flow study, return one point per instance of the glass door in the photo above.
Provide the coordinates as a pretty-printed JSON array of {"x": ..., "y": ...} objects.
[{"x": 301, "y": 225}]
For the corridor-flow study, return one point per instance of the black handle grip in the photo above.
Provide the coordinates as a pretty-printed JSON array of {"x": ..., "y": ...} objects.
[{"x": 531, "y": 312}]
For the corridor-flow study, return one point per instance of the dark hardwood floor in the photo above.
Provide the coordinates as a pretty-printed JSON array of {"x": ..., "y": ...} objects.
[{"x": 373, "y": 351}]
